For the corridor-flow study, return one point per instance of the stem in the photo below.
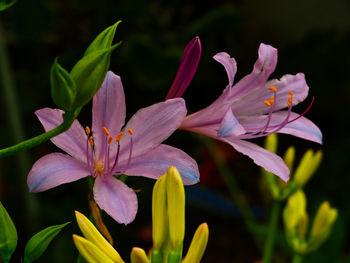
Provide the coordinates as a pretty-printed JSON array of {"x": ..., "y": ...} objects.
[
  {"x": 297, "y": 258},
  {"x": 271, "y": 234}
]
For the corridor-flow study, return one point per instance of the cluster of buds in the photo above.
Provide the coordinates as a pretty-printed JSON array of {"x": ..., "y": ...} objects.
[
  {"x": 168, "y": 219},
  {"x": 296, "y": 224}
]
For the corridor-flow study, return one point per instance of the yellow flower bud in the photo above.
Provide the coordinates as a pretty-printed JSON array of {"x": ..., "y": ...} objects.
[
  {"x": 271, "y": 142},
  {"x": 138, "y": 255},
  {"x": 93, "y": 235},
  {"x": 295, "y": 210},
  {"x": 289, "y": 157},
  {"x": 307, "y": 167},
  {"x": 198, "y": 245},
  {"x": 89, "y": 251},
  {"x": 323, "y": 221}
]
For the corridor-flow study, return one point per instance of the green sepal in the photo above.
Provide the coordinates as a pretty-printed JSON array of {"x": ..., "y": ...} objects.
[
  {"x": 156, "y": 256},
  {"x": 63, "y": 87},
  {"x": 89, "y": 74},
  {"x": 4, "y": 6},
  {"x": 8, "y": 235},
  {"x": 103, "y": 40},
  {"x": 38, "y": 243},
  {"x": 174, "y": 257}
]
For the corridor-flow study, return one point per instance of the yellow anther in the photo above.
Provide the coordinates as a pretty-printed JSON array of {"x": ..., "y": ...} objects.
[
  {"x": 274, "y": 89},
  {"x": 290, "y": 99},
  {"x": 290, "y": 93},
  {"x": 87, "y": 130},
  {"x": 272, "y": 99},
  {"x": 91, "y": 141},
  {"x": 105, "y": 131},
  {"x": 267, "y": 103},
  {"x": 110, "y": 139},
  {"x": 130, "y": 131},
  {"x": 119, "y": 136}
]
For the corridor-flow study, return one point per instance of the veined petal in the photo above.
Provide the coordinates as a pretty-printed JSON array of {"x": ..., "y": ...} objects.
[
  {"x": 264, "y": 158},
  {"x": 229, "y": 64},
  {"x": 263, "y": 68},
  {"x": 152, "y": 125},
  {"x": 253, "y": 103},
  {"x": 157, "y": 161},
  {"x": 187, "y": 69},
  {"x": 53, "y": 170},
  {"x": 72, "y": 141},
  {"x": 230, "y": 125},
  {"x": 108, "y": 110},
  {"x": 116, "y": 198}
]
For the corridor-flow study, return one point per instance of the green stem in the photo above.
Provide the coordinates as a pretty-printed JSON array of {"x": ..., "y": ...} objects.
[
  {"x": 271, "y": 234},
  {"x": 297, "y": 258}
]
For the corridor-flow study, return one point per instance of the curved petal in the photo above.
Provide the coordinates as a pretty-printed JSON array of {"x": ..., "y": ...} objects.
[
  {"x": 156, "y": 162},
  {"x": 264, "y": 158},
  {"x": 108, "y": 110},
  {"x": 116, "y": 198},
  {"x": 230, "y": 125},
  {"x": 53, "y": 170},
  {"x": 73, "y": 141},
  {"x": 262, "y": 70},
  {"x": 253, "y": 103},
  {"x": 229, "y": 64},
  {"x": 151, "y": 126}
]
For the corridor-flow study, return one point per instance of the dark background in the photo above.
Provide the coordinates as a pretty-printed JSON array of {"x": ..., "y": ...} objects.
[{"x": 312, "y": 37}]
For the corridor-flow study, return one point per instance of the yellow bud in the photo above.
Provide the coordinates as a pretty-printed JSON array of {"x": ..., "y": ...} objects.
[
  {"x": 289, "y": 157},
  {"x": 303, "y": 226},
  {"x": 295, "y": 210},
  {"x": 159, "y": 213},
  {"x": 89, "y": 251},
  {"x": 198, "y": 245},
  {"x": 93, "y": 235},
  {"x": 176, "y": 207},
  {"x": 271, "y": 142},
  {"x": 307, "y": 167},
  {"x": 138, "y": 255},
  {"x": 324, "y": 220}
]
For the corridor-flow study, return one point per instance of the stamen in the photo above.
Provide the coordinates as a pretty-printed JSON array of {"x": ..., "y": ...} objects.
[
  {"x": 119, "y": 136},
  {"x": 87, "y": 130},
  {"x": 110, "y": 139},
  {"x": 105, "y": 131},
  {"x": 130, "y": 131},
  {"x": 290, "y": 93},
  {"x": 290, "y": 99},
  {"x": 272, "y": 99},
  {"x": 267, "y": 103},
  {"x": 273, "y": 88},
  {"x": 91, "y": 141}
]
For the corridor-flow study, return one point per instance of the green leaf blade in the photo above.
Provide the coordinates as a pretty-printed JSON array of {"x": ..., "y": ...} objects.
[{"x": 8, "y": 235}]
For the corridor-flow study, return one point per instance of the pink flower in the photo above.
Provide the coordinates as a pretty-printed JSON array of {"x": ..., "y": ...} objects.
[
  {"x": 135, "y": 151},
  {"x": 253, "y": 108}
]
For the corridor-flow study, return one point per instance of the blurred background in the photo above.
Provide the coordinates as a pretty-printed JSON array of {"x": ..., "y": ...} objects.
[{"x": 311, "y": 36}]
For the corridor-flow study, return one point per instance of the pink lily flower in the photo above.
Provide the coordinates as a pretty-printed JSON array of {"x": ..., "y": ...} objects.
[
  {"x": 135, "y": 151},
  {"x": 252, "y": 108}
]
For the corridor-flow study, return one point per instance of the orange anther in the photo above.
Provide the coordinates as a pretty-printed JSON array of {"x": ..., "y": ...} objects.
[
  {"x": 119, "y": 136},
  {"x": 130, "y": 131},
  {"x": 87, "y": 130},
  {"x": 110, "y": 139},
  {"x": 91, "y": 141},
  {"x": 105, "y": 130},
  {"x": 274, "y": 89},
  {"x": 290, "y": 93},
  {"x": 272, "y": 99},
  {"x": 267, "y": 103},
  {"x": 290, "y": 99}
]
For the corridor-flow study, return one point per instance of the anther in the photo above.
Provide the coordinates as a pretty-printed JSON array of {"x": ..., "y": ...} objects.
[
  {"x": 290, "y": 93},
  {"x": 110, "y": 139},
  {"x": 105, "y": 131},
  {"x": 91, "y": 141},
  {"x": 290, "y": 99},
  {"x": 272, "y": 99},
  {"x": 130, "y": 131},
  {"x": 267, "y": 103},
  {"x": 87, "y": 130},
  {"x": 274, "y": 89},
  {"x": 119, "y": 136}
]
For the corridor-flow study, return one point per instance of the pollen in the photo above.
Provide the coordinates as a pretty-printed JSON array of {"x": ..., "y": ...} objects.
[
  {"x": 91, "y": 141},
  {"x": 267, "y": 103},
  {"x": 290, "y": 99},
  {"x": 119, "y": 136},
  {"x": 274, "y": 89},
  {"x": 290, "y": 93},
  {"x": 105, "y": 131},
  {"x": 272, "y": 99},
  {"x": 110, "y": 139},
  {"x": 130, "y": 131},
  {"x": 87, "y": 130}
]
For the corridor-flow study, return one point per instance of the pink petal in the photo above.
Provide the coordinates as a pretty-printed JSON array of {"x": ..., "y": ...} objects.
[
  {"x": 108, "y": 110},
  {"x": 72, "y": 141},
  {"x": 253, "y": 103},
  {"x": 230, "y": 125},
  {"x": 263, "y": 68},
  {"x": 116, "y": 198},
  {"x": 187, "y": 69},
  {"x": 230, "y": 65},
  {"x": 264, "y": 158},
  {"x": 53, "y": 170},
  {"x": 152, "y": 125},
  {"x": 156, "y": 162}
]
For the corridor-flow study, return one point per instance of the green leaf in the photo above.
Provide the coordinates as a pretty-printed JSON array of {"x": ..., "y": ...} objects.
[
  {"x": 4, "y": 6},
  {"x": 103, "y": 40},
  {"x": 38, "y": 243},
  {"x": 63, "y": 88},
  {"x": 89, "y": 74},
  {"x": 8, "y": 235}
]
